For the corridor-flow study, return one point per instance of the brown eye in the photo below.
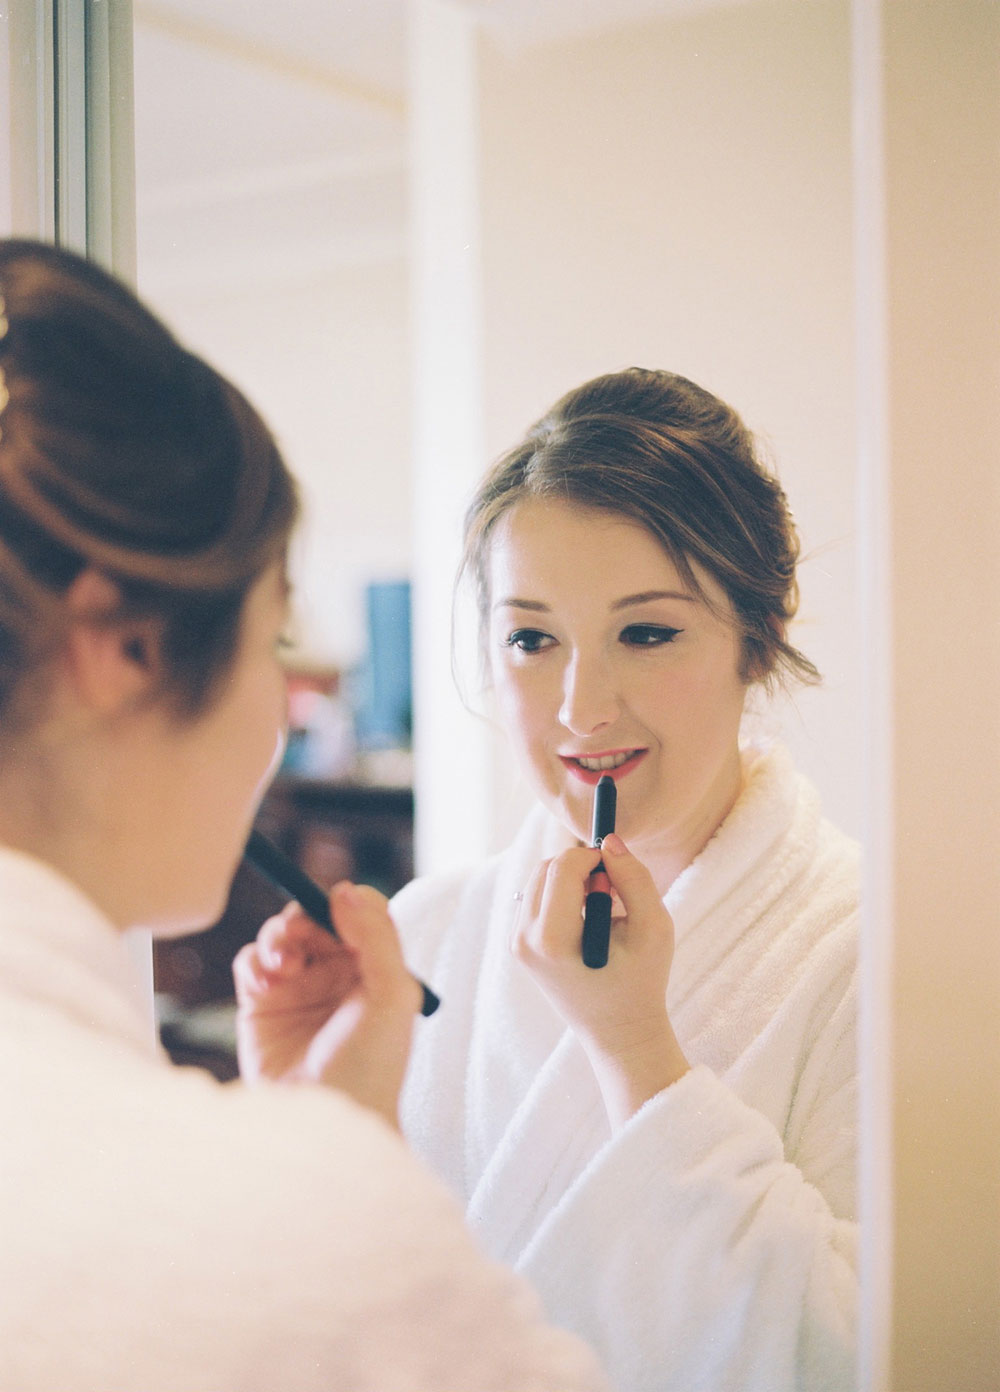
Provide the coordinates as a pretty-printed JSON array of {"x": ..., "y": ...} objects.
[{"x": 529, "y": 640}]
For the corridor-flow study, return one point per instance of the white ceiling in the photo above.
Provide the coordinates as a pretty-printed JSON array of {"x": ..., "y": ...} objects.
[
  {"x": 276, "y": 133},
  {"x": 266, "y": 131}
]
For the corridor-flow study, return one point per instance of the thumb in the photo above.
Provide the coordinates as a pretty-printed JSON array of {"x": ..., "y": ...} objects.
[{"x": 362, "y": 918}]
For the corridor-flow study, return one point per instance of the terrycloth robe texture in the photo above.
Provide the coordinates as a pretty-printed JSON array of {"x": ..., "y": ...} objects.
[
  {"x": 709, "y": 1244},
  {"x": 160, "y": 1232}
]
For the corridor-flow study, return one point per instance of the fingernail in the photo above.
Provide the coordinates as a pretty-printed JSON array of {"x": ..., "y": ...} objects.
[
  {"x": 349, "y": 892},
  {"x": 614, "y": 845}
]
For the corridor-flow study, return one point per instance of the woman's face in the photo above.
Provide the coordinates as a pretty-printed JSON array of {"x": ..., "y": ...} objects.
[{"x": 604, "y": 662}]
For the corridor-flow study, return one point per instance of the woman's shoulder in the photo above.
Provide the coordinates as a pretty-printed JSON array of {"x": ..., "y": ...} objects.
[
  {"x": 776, "y": 787},
  {"x": 299, "y": 1197},
  {"x": 426, "y": 910},
  {"x": 436, "y": 892}
]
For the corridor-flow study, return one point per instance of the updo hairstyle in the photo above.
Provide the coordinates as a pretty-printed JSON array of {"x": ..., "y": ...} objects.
[
  {"x": 122, "y": 451},
  {"x": 658, "y": 450}
]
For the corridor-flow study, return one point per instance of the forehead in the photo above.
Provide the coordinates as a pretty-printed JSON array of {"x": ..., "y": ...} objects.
[{"x": 542, "y": 542}]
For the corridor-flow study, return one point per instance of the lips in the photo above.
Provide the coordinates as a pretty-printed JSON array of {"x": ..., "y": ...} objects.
[{"x": 590, "y": 768}]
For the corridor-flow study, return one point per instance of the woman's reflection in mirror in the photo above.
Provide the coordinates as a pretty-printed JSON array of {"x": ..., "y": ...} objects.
[{"x": 666, "y": 1146}]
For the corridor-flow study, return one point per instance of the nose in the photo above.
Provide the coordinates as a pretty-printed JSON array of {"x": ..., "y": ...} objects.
[{"x": 590, "y": 701}]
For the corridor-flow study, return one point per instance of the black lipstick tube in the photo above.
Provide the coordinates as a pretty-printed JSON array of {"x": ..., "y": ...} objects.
[
  {"x": 597, "y": 910},
  {"x": 272, "y": 862}
]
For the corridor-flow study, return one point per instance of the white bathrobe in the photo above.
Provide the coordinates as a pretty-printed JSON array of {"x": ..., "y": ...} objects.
[
  {"x": 710, "y": 1244},
  {"x": 160, "y": 1232}
]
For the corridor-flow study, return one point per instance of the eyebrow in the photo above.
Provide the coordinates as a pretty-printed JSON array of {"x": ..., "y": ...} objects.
[
  {"x": 647, "y": 596},
  {"x": 513, "y": 603},
  {"x": 627, "y": 602}
]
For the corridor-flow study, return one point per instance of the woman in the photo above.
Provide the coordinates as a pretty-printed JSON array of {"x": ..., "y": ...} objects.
[
  {"x": 665, "y": 1145},
  {"x": 160, "y": 1231}
]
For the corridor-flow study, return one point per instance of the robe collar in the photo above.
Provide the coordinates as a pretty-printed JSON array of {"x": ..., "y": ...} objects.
[{"x": 59, "y": 952}]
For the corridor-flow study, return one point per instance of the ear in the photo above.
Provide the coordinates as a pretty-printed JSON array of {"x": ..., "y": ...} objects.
[{"x": 113, "y": 662}]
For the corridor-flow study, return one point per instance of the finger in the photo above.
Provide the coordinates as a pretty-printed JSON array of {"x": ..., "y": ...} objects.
[
  {"x": 251, "y": 979},
  {"x": 566, "y": 888},
  {"x": 632, "y": 882},
  {"x": 362, "y": 918},
  {"x": 286, "y": 945},
  {"x": 524, "y": 934},
  {"x": 291, "y": 940},
  {"x": 528, "y": 901},
  {"x": 579, "y": 862}
]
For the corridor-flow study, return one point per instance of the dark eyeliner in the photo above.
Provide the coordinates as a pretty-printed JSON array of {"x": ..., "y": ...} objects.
[
  {"x": 513, "y": 640},
  {"x": 662, "y": 634}
]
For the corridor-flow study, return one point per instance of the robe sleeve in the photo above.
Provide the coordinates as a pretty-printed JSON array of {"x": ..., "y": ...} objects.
[{"x": 696, "y": 1255}]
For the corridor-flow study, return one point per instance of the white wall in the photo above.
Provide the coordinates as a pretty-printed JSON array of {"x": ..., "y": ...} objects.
[
  {"x": 270, "y": 191},
  {"x": 325, "y": 358},
  {"x": 941, "y": 93},
  {"x": 677, "y": 193},
  {"x": 453, "y": 766}
]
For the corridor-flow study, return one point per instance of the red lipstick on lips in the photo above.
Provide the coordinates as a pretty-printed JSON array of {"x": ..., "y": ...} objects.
[{"x": 594, "y": 776}]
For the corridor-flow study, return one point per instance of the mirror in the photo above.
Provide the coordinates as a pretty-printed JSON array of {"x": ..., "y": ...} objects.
[
  {"x": 590, "y": 186},
  {"x": 644, "y": 191}
]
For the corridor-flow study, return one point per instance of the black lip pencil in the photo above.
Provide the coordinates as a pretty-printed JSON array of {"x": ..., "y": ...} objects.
[
  {"x": 271, "y": 861},
  {"x": 597, "y": 912}
]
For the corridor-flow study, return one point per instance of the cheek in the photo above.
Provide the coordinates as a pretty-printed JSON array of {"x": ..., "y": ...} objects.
[
  {"x": 275, "y": 723},
  {"x": 265, "y": 720},
  {"x": 704, "y": 698},
  {"x": 716, "y": 700},
  {"x": 273, "y": 764},
  {"x": 521, "y": 702}
]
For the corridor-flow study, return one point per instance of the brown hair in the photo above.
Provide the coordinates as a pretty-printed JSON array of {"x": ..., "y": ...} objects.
[
  {"x": 657, "y": 449},
  {"x": 121, "y": 450}
]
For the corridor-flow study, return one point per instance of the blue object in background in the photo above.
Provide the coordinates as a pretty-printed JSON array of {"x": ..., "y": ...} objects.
[{"x": 384, "y": 693}]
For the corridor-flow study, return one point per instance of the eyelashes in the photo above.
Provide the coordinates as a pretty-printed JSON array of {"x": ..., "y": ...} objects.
[
  {"x": 534, "y": 640},
  {"x": 648, "y": 635},
  {"x": 528, "y": 640}
]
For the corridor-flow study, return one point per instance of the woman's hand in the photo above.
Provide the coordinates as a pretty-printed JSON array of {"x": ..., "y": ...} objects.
[
  {"x": 619, "y": 1012},
  {"x": 314, "y": 1008}
]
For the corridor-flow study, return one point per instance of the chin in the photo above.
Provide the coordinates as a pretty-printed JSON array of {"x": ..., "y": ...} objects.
[
  {"x": 192, "y": 918},
  {"x": 576, "y": 822},
  {"x": 180, "y": 925}
]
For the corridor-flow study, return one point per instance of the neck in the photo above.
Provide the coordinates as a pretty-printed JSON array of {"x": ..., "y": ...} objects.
[
  {"x": 55, "y": 815},
  {"x": 669, "y": 851}
]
